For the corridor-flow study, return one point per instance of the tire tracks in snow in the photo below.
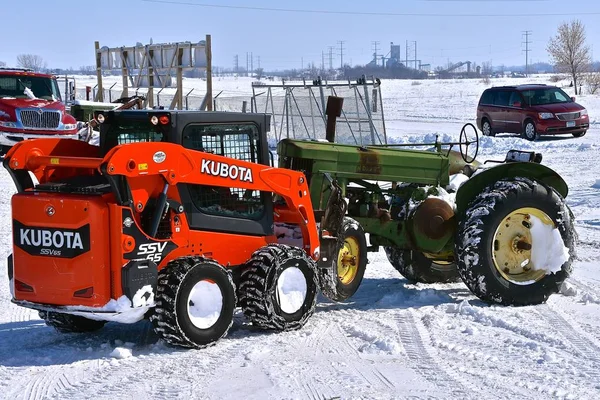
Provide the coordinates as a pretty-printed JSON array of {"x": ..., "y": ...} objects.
[
  {"x": 422, "y": 362},
  {"x": 585, "y": 347}
]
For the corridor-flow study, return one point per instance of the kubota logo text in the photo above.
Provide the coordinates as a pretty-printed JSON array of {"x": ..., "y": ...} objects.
[
  {"x": 46, "y": 238},
  {"x": 225, "y": 170},
  {"x": 66, "y": 243}
]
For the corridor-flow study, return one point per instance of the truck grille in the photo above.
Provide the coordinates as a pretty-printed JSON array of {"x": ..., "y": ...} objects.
[
  {"x": 40, "y": 119},
  {"x": 568, "y": 116}
]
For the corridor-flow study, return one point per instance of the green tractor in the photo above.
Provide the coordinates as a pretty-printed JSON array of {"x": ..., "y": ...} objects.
[{"x": 502, "y": 227}]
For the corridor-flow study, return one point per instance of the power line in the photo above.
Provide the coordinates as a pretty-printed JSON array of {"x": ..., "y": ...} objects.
[
  {"x": 377, "y": 14},
  {"x": 527, "y": 50}
]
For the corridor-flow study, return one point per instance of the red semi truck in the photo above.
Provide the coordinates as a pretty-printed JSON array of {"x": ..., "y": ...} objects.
[{"x": 31, "y": 107}]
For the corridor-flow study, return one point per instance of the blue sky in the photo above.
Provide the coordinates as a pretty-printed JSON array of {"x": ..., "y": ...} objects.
[{"x": 63, "y": 31}]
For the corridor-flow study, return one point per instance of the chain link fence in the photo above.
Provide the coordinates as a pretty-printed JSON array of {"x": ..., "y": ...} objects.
[{"x": 299, "y": 111}]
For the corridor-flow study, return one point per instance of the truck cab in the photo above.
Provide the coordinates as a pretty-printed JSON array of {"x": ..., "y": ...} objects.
[{"x": 31, "y": 107}]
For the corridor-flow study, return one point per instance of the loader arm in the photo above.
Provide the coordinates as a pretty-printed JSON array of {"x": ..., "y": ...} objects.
[{"x": 47, "y": 160}]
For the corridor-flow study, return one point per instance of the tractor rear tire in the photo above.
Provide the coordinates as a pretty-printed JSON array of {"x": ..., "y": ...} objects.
[
  {"x": 511, "y": 226},
  {"x": 350, "y": 262},
  {"x": 68, "y": 323},
  {"x": 278, "y": 288},
  {"x": 195, "y": 302},
  {"x": 416, "y": 268}
]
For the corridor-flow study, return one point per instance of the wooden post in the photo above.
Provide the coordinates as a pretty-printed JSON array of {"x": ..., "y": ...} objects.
[
  {"x": 179, "y": 94},
  {"x": 209, "y": 92},
  {"x": 150, "y": 95},
  {"x": 100, "y": 94},
  {"x": 124, "y": 73}
]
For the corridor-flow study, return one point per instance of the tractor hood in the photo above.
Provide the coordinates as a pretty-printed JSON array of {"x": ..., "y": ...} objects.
[{"x": 369, "y": 163}]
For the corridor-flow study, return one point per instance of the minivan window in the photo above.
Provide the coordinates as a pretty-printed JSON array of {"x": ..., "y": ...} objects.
[
  {"x": 488, "y": 97},
  {"x": 514, "y": 97},
  {"x": 502, "y": 98},
  {"x": 552, "y": 95}
]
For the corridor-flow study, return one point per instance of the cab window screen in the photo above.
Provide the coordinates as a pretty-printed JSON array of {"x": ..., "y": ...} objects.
[{"x": 238, "y": 141}]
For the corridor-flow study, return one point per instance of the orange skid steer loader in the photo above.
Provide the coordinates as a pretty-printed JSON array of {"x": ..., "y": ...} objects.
[{"x": 171, "y": 217}]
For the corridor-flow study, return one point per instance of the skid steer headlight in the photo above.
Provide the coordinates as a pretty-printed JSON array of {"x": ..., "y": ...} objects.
[
  {"x": 100, "y": 118},
  {"x": 154, "y": 120}
]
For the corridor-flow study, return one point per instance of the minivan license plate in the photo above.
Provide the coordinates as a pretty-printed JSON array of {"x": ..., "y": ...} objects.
[{"x": 570, "y": 124}]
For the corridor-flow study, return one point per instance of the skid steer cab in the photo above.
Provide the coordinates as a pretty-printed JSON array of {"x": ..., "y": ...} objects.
[{"x": 172, "y": 217}]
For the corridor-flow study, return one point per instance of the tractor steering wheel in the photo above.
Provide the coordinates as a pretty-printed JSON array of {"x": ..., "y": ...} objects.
[{"x": 466, "y": 140}]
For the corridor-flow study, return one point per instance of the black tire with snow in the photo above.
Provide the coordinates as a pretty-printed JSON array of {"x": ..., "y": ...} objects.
[
  {"x": 475, "y": 241},
  {"x": 171, "y": 318},
  {"x": 417, "y": 268},
  {"x": 334, "y": 289},
  {"x": 67, "y": 323},
  {"x": 258, "y": 288}
]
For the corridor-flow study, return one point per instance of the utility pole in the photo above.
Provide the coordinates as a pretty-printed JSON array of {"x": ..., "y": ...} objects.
[
  {"x": 375, "y": 50},
  {"x": 322, "y": 60},
  {"x": 258, "y": 62},
  {"x": 251, "y": 63},
  {"x": 301, "y": 63},
  {"x": 527, "y": 43},
  {"x": 330, "y": 57},
  {"x": 341, "y": 43},
  {"x": 247, "y": 63},
  {"x": 236, "y": 63}
]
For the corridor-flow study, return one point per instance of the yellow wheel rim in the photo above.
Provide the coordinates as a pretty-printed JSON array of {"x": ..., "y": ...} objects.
[
  {"x": 348, "y": 260},
  {"x": 512, "y": 246}
]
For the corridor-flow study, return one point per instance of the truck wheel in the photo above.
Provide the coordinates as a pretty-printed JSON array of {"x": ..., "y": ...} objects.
[
  {"x": 67, "y": 323},
  {"x": 278, "y": 287},
  {"x": 195, "y": 301},
  {"x": 417, "y": 268},
  {"x": 516, "y": 244},
  {"x": 350, "y": 262}
]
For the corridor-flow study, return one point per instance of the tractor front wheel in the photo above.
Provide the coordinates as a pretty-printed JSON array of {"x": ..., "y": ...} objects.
[
  {"x": 417, "y": 268},
  {"x": 516, "y": 244},
  {"x": 278, "y": 288},
  {"x": 349, "y": 262}
]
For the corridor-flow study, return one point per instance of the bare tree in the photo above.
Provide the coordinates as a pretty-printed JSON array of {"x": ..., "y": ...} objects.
[
  {"x": 87, "y": 69},
  {"x": 2, "y": 64},
  {"x": 592, "y": 81},
  {"x": 31, "y": 61},
  {"x": 569, "y": 51},
  {"x": 486, "y": 68}
]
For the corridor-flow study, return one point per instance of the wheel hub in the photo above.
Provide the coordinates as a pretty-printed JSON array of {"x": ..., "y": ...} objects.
[
  {"x": 512, "y": 246},
  {"x": 347, "y": 262},
  {"x": 205, "y": 303}
]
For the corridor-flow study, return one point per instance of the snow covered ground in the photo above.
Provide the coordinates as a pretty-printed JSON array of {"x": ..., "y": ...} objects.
[{"x": 392, "y": 340}]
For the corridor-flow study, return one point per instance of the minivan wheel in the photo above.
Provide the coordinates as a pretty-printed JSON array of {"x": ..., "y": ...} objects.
[
  {"x": 579, "y": 134},
  {"x": 530, "y": 132},
  {"x": 486, "y": 128}
]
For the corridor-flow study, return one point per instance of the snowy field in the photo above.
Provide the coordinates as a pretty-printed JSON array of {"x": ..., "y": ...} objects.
[{"x": 392, "y": 340}]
